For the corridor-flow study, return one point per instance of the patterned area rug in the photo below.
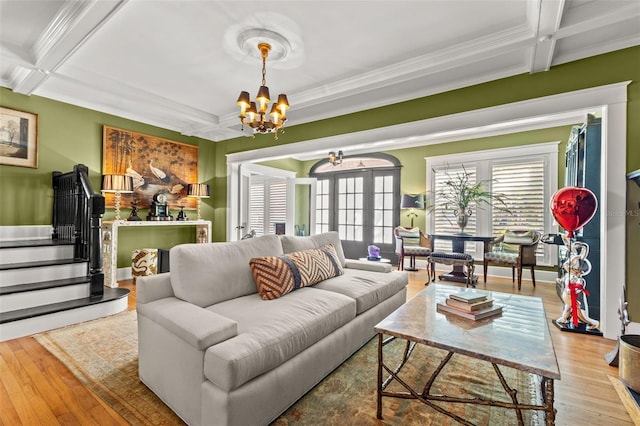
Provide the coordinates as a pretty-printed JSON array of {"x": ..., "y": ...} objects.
[{"x": 103, "y": 354}]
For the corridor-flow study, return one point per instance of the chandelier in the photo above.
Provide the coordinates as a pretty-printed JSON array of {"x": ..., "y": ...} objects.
[
  {"x": 257, "y": 118},
  {"x": 335, "y": 159}
]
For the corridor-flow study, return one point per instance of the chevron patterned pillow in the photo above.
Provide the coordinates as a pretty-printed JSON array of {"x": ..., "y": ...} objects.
[{"x": 276, "y": 276}]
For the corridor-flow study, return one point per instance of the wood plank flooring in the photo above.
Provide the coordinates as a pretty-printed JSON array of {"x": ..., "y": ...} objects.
[{"x": 36, "y": 389}]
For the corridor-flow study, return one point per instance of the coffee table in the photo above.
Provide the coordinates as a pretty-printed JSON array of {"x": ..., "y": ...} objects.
[{"x": 518, "y": 338}]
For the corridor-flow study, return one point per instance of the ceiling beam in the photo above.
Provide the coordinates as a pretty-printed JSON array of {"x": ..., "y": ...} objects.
[
  {"x": 73, "y": 25},
  {"x": 546, "y": 23}
]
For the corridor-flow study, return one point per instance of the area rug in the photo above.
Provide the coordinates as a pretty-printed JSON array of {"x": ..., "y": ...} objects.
[{"x": 103, "y": 355}]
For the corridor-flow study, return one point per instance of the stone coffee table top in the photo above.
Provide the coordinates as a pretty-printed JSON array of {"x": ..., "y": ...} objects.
[{"x": 517, "y": 338}]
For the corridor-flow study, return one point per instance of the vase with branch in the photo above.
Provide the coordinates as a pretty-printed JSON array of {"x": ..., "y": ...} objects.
[{"x": 459, "y": 193}]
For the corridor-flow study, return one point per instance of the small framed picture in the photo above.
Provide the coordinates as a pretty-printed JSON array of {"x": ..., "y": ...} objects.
[{"x": 18, "y": 138}]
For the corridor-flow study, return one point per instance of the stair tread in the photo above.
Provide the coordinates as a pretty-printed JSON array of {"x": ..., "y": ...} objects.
[
  {"x": 109, "y": 295},
  {"x": 43, "y": 285},
  {"x": 42, "y": 242},
  {"x": 40, "y": 263}
]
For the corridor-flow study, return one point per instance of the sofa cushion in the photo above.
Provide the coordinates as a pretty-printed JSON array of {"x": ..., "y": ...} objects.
[
  {"x": 292, "y": 243},
  {"x": 279, "y": 275},
  {"x": 204, "y": 274},
  {"x": 368, "y": 288},
  {"x": 272, "y": 332}
]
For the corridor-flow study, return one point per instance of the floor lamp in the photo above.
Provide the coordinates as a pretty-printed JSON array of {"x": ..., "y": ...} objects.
[
  {"x": 198, "y": 190},
  {"x": 118, "y": 185}
]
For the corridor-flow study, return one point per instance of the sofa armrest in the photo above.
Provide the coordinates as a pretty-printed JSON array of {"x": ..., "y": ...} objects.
[
  {"x": 366, "y": 265},
  {"x": 195, "y": 325},
  {"x": 153, "y": 287}
]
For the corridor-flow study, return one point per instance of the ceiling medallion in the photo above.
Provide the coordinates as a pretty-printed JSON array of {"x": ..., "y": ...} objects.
[{"x": 257, "y": 117}]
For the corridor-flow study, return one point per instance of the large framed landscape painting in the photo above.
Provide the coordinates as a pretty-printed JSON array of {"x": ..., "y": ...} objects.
[
  {"x": 18, "y": 138},
  {"x": 157, "y": 166}
]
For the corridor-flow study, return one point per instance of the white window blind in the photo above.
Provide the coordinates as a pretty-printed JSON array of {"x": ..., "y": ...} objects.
[
  {"x": 523, "y": 186},
  {"x": 445, "y": 220},
  {"x": 526, "y": 175},
  {"x": 267, "y": 204}
]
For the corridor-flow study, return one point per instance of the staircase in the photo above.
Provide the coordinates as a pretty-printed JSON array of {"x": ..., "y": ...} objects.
[
  {"x": 51, "y": 276},
  {"x": 43, "y": 287}
]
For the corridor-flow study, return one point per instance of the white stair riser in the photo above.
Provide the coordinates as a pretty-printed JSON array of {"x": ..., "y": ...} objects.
[
  {"x": 29, "y": 326},
  {"x": 30, "y": 299},
  {"x": 47, "y": 273},
  {"x": 28, "y": 232},
  {"x": 35, "y": 254}
]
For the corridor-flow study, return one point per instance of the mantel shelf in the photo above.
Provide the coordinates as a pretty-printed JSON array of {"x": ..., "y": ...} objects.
[{"x": 110, "y": 240}]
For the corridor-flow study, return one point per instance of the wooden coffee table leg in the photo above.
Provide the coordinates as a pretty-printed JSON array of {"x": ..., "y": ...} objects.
[{"x": 548, "y": 394}]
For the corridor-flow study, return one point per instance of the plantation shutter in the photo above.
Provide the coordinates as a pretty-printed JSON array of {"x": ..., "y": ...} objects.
[
  {"x": 523, "y": 186},
  {"x": 445, "y": 220},
  {"x": 267, "y": 203}
]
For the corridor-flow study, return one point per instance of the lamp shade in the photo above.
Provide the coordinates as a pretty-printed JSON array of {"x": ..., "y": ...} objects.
[
  {"x": 412, "y": 201},
  {"x": 117, "y": 183},
  {"x": 198, "y": 190}
]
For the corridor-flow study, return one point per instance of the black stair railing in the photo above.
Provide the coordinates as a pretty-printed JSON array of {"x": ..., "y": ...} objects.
[{"x": 77, "y": 217}]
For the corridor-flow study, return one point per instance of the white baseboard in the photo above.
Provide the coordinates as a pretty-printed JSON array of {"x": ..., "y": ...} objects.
[
  {"x": 124, "y": 274},
  {"x": 633, "y": 328}
]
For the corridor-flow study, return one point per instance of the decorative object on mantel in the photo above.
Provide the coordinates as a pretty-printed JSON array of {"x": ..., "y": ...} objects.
[
  {"x": 574, "y": 207},
  {"x": 19, "y": 138},
  {"x": 412, "y": 202},
  {"x": 256, "y": 118},
  {"x": 133, "y": 217},
  {"x": 117, "y": 184},
  {"x": 460, "y": 193},
  {"x": 198, "y": 190},
  {"x": 182, "y": 215},
  {"x": 336, "y": 159}
]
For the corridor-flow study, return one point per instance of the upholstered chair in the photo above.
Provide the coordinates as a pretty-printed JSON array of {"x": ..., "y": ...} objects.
[
  {"x": 515, "y": 249},
  {"x": 411, "y": 243}
]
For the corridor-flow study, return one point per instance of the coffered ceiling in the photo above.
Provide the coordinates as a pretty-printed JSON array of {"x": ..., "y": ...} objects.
[{"x": 182, "y": 64}]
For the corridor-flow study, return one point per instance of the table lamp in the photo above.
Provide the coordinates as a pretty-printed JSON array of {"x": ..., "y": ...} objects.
[
  {"x": 198, "y": 190},
  {"x": 117, "y": 184},
  {"x": 411, "y": 202}
]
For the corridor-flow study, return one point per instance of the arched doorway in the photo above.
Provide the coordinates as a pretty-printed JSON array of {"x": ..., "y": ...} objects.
[{"x": 360, "y": 198}]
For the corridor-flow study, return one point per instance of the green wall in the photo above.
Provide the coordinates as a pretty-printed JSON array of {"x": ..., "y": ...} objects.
[{"x": 69, "y": 135}]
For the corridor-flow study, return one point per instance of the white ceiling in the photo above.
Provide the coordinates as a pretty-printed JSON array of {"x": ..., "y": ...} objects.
[{"x": 176, "y": 64}]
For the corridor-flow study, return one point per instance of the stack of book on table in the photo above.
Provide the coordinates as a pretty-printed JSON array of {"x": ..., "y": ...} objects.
[{"x": 473, "y": 304}]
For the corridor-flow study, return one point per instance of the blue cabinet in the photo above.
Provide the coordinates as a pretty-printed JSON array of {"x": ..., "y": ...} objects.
[{"x": 583, "y": 169}]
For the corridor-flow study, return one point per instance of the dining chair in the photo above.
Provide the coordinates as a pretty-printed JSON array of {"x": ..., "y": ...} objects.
[
  {"x": 411, "y": 243},
  {"x": 514, "y": 249}
]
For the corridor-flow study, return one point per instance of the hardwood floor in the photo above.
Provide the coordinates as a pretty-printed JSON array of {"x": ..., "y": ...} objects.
[{"x": 36, "y": 389}]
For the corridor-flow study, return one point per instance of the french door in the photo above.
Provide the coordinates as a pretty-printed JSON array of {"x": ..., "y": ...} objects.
[{"x": 363, "y": 206}]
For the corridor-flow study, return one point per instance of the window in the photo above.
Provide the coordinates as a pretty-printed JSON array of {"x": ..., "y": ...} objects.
[
  {"x": 527, "y": 175},
  {"x": 445, "y": 219},
  {"x": 383, "y": 205},
  {"x": 523, "y": 185},
  {"x": 322, "y": 206},
  {"x": 267, "y": 204}
]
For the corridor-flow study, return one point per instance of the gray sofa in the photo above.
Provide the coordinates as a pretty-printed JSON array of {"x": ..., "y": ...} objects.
[{"x": 217, "y": 354}]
